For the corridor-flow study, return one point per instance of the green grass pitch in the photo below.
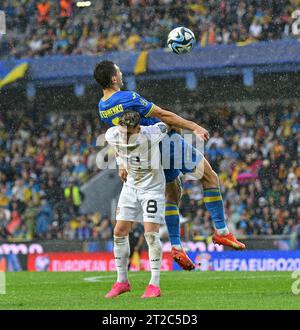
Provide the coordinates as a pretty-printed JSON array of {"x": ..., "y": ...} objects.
[{"x": 180, "y": 290}]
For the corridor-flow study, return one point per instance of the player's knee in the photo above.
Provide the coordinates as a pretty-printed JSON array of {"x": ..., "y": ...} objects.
[{"x": 120, "y": 231}]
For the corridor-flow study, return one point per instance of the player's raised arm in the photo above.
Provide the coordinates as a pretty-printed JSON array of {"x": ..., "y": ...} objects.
[
  {"x": 149, "y": 109},
  {"x": 172, "y": 119}
]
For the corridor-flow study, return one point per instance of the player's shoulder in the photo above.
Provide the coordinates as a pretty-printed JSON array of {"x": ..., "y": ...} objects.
[
  {"x": 134, "y": 94},
  {"x": 118, "y": 97},
  {"x": 157, "y": 128},
  {"x": 130, "y": 95},
  {"x": 132, "y": 98},
  {"x": 111, "y": 133},
  {"x": 161, "y": 126},
  {"x": 126, "y": 98},
  {"x": 126, "y": 94}
]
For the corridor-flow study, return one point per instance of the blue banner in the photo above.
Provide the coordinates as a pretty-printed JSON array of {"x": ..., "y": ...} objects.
[
  {"x": 245, "y": 261},
  {"x": 78, "y": 67},
  {"x": 259, "y": 57},
  {"x": 226, "y": 56}
]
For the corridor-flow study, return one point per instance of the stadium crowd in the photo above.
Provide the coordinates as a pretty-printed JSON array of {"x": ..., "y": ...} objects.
[
  {"x": 257, "y": 158},
  {"x": 47, "y": 27},
  {"x": 43, "y": 161},
  {"x": 44, "y": 158}
]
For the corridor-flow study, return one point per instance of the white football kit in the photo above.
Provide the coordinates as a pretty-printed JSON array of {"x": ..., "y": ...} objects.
[{"x": 143, "y": 194}]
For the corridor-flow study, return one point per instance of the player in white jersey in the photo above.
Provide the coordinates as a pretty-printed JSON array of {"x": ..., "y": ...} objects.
[{"x": 142, "y": 197}]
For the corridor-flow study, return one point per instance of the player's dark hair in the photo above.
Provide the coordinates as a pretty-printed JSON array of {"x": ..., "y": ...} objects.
[
  {"x": 129, "y": 119},
  {"x": 103, "y": 73}
]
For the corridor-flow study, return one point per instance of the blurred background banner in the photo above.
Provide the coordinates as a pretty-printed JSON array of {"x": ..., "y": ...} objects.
[
  {"x": 216, "y": 57},
  {"x": 11, "y": 71},
  {"x": 255, "y": 261},
  {"x": 245, "y": 261},
  {"x": 211, "y": 61},
  {"x": 88, "y": 262}
]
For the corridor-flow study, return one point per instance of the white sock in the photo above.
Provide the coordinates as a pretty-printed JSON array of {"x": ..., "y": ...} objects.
[
  {"x": 121, "y": 252},
  {"x": 155, "y": 256},
  {"x": 223, "y": 231},
  {"x": 177, "y": 246}
]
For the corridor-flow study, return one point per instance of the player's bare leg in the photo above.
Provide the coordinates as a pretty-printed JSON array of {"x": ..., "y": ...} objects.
[
  {"x": 121, "y": 253},
  {"x": 214, "y": 204},
  {"x": 155, "y": 258},
  {"x": 173, "y": 194}
]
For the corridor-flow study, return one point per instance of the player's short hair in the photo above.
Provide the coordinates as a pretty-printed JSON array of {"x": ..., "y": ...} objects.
[
  {"x": 103, "y": 73},
  {"x": 129, "y": 119}
]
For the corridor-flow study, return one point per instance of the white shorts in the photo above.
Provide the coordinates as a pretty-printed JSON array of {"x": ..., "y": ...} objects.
[{"x": 138, "y": 206}]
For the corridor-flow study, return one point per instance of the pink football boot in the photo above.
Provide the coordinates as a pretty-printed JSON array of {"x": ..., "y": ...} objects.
[
  {"x": 152, "y": 291},
  {"x": 118, "y": 288}
]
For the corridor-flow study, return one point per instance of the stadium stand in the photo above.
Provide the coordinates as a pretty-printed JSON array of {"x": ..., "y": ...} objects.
[
  {"x": 49, "y": 27},
  {"x": 254, "y": 153}
]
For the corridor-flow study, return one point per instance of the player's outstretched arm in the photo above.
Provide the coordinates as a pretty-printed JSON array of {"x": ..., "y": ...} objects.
[{"x": 172, "y": 119}]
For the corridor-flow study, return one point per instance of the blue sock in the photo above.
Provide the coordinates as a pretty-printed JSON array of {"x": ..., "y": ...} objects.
[
  {"x": 214, "y": 204},
  {"x": 173, "y": 223}
]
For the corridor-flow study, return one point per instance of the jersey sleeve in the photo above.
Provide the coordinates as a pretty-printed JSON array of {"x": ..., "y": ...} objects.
[
  {"x": 141, "y": 105},
  {"x": 110, "y": 136}
]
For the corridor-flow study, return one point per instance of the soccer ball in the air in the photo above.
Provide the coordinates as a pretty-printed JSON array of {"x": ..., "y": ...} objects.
[{"x": 181, "y": 40}]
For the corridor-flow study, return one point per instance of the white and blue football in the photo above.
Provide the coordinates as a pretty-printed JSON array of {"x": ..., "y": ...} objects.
[{"x": 181, "y": 40}]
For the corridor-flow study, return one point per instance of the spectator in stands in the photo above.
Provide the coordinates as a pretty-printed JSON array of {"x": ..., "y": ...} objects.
[
  {"x": 73, "y": 195},
  {"x": 43, "y": 8},
  {"x": 65, "y": 11},
  {"x": 126, "y": 25},
  {"x": 29, "y": 218},
  {"x": 83, "y": 232},
  {"x": 295, "y": 238},
  {"x": 102, "y": 227},
  {"x": 260, "y": 177},
  {"x": 15, "y": 220},
  {"x": 4, "y": 220},
  {"x": 44, "y": 219}
]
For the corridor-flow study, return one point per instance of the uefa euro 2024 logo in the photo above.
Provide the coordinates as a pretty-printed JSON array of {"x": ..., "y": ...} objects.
[{"x": 2, "y": 23}]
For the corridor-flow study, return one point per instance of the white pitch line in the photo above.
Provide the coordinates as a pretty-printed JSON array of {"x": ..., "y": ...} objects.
[
  {"x": 102, "y": 278},
  {"x": 98, "y": 278}
]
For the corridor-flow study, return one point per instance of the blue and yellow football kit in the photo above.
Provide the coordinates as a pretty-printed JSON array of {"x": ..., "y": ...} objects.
[
  {"x": 175, "y": 155},
  {"x": 110, "y": 110}
]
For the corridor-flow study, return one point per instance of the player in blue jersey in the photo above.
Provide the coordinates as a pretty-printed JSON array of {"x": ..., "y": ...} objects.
[{"x": 113, "y": 103}]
